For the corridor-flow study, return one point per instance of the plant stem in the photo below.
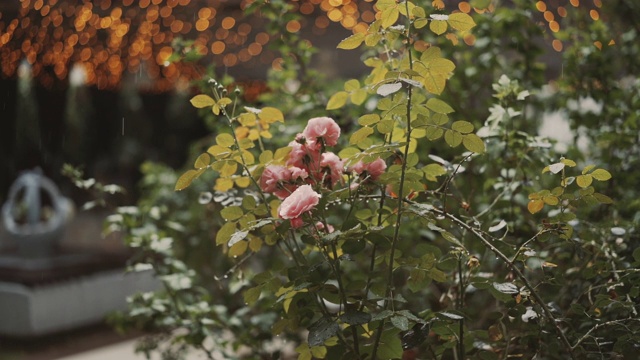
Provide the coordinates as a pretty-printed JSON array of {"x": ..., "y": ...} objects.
[
  {"x": 460, "y": 306},
  {"x": 519, "y": 274},
  {"x": 396, "y": 234}
]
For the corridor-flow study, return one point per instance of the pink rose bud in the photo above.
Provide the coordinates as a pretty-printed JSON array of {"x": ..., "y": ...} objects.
[
  {"x": 376, "y": 168},
  {"x": 303, "y": 199},
  {"x": 297, "y": 223},
  {"x": 321, "y": 130}
]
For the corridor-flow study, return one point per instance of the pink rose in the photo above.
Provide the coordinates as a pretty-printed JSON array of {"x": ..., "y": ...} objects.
[
  {"x": 373, "y": 169},
  {"x": 303, "y": 199},
  {"x": 303, "y": 157},
  {"x": 321, "y": 130},
  {"x": 331, "y": 168},
  {"x": 272, "y": 176}
]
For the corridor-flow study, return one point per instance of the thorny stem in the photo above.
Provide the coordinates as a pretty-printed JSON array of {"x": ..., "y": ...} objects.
[
  {"x": 598, "y": 326},
  {"x": 519, "y": 274}
]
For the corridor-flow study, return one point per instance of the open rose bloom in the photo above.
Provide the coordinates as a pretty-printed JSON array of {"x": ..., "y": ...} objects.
[{"x": 311, "y": 169}]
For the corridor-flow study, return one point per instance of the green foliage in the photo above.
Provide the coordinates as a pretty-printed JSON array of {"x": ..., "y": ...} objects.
[{"x": 499, "y": 248}]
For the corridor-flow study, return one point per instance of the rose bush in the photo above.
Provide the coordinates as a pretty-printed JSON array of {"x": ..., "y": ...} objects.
[{"x": 389, "y": 241}]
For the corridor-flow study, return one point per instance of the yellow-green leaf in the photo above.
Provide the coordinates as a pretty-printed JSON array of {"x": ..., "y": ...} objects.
[
  {"x": 601, "y": 174},
  {"x": 587, "y": 169},
  {"x": 243, "y": 182},
  {"x": 584, "y": 180},
  {"x": 439, "y": 106},
  {"x": 568, "y": 162},
  {"x": 231, "y": 213},
  {"x": 452, "y": 138},
  {"x": 550, "y": 200},
  {"x": 360, "y": 135},
  {"x": 252, "y": 295},
  {"x": 202, "y": 101},
  {"x": 389, "y": 16},
  {"x": 266, "y": 156},
  {"x": 368, "y": 119},
  {"x": 271, "y": 115},
  {"x": 438, "y": 27},
  {"x": 359, "y": 96},
  {"x": 224, "y": 102},
  {"x": 461, "y": 21},
  {"x": 535, "y": 206},
  {"x": 352, "y": 85},
  {"x": 225, "y": 140},
  {"x": 185, "y": 179},
  {"x": 219, "y": 151},
  {"x": 420, "y": 23},
  {"x": 202, "y": 161},
  {"x": 223, "y": 184},
  {"x": 228, "y": 168},
  {"x": 351, "y": 42},
  {"x": 337, "y": 100},
  {"x": 225, "y": 232},
  {"x": 473, "y": 142},
  {"x": 255, "y": 243},
  {"x": 463, "y": 127},
  {"x": 238, "y": 248},
  {"x": 215, "y": 109}
]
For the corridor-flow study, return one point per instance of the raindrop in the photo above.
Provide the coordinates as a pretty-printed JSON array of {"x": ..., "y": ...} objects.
[
  {"x": 225, "y": 276},
  {"x": 205, "y": 197}
]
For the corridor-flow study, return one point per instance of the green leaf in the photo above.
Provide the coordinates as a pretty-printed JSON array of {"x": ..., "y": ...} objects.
[
  {"x": 439, "y": 106},
  {"x": 337, "y": 100},
  {"x": 355, "y": 317},
  {"x": 601, "y": 174},
  {"x": 351, "y": 42},
  {"x": 473, "y": 142},
  {"x": 185, "y": 179},
  {"x": 400, "y": 322},
  {"x": 252, "y": 295},
  {"x": 322, "y": 330},
  {"x": 568, "y": 162},
  {"x": 480, "y": 4},
  {"x": 202, "y": 101},
  {"x": 225, "y": 140},
  {"x": 420, "y": 23},
  {"x": 452, "y": 138},
  {"x": 587, "y": 169},
  {"x": 239, "y": 248},
  {"x": 369, "y": 119},
  {"x": 463, "y": 127},
  {"x": 360, "y": 135},
  {"x": 461, "y": 21},
  {"x": 224, "y": 234},
  {"x": 390, "y": 345},
  {"x": 438, "y": 26},
  {"x": 584, "y": 180},
  {"x": 231, "y": 213},
  {"x": 603, "y": 199},
  {"x": 385, "y": 126},
  {"x": 202, "y": 161}
]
